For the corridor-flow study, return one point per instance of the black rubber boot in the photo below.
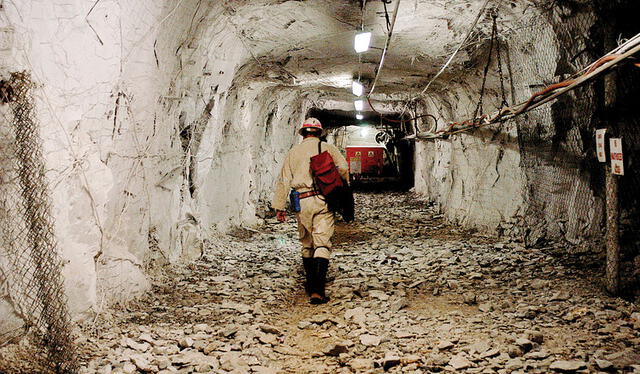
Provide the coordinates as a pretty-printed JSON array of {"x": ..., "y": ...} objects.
[
  {"x": 318, "y": 292},
  {"x": 310, "y": 272}
]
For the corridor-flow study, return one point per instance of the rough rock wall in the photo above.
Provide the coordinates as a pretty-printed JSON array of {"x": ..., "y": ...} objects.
[
  {"x": 535, "y": 177},
  {"x": 556, "y": 140},
  {"x": 96, "y": 111},
  {"x": 228, "y": 132},
  {"x": 148, "y": 137},
  {"x": 475, "y": 179},
  {"x": 480, "y": 179}
]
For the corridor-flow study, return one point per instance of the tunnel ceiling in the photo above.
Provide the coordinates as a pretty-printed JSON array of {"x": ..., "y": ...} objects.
[{"x": 310, "y": 43}]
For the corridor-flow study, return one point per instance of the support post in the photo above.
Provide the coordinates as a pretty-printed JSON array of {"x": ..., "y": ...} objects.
[
  {"x": 611, "y": 185},
  {"x": 613, "y": 244}
]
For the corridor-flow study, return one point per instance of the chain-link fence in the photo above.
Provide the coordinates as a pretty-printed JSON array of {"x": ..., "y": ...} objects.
[{"x": 30, "y": 267}]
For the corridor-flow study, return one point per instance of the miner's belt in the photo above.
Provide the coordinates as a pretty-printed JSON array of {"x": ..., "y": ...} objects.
[{"x": 304, "y": 195}]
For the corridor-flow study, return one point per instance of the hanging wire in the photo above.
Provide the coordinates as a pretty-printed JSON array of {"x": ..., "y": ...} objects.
[
  {"x": 453, "y": 55},
  {"x": 494, "y": 32},
  {"x": 598, "y": 68},
  {"x": 386, "y": 14},
  {"x": 386, "y": 48}
]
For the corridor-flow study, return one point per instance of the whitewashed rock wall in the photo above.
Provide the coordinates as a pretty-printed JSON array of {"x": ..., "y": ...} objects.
[
  {"x": 149, "y": 140},
  {"x": 495, "y": 178},
  {"x": 96, "y": 101},
  {"x": 475, "y": 178}
]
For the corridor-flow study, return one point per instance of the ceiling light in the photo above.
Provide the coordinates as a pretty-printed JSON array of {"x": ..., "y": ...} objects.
[
  {"x": 359, "y": 104},
  {"x": 359, "y": 116},
  {"x": 362, "y": 41},
  {"x": 357, "y": 88}
]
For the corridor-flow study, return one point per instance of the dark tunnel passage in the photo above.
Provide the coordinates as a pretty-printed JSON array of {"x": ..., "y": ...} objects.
[{"x": 375, "y": 145}]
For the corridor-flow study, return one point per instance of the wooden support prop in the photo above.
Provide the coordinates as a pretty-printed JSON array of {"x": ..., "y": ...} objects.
[
  {"x": 611, "y": 186},
  {"x": 613, "y": 244}
]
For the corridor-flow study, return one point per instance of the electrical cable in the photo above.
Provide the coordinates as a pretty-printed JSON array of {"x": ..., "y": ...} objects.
[
  {"x": 444, "y": 67},
  {"x": 453, "y": 55},
  {"x": 494, "y": 37},
  {"x": 386, "y": 47},
  {"x": 386, "y": 14},
  {"x": 382, "y": 116},
  {"x": 542, "y": 97}
]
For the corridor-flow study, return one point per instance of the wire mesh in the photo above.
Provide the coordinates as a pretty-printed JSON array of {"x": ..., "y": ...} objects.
[
  {"x": 556, "y": 141},
  {"x": 566, "y": 184},
  {"x": 570, "y": 197},
  {"x": 29, "y": 263}
]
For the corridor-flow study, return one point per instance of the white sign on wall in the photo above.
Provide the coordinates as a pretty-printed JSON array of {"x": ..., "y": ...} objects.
[
  {"x": 600, "y": 150},
  {"x": 617, "y": 161}
]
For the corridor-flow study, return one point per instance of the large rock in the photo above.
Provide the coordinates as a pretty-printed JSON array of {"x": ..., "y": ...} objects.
[
  {"x": 370, "y": 340},
  {"x": 460, "y": 362},
  {"x": 567, "y": 366}
]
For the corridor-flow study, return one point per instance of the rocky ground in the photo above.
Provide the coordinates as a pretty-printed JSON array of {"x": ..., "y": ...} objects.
[{"x": 408, "y": 294}]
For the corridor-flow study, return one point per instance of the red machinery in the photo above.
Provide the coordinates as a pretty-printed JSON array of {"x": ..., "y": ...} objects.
[{"x": 365, "y": 162}]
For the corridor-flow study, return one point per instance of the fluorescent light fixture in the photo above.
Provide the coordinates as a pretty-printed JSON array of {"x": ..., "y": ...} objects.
[
  {"x": 359, "y": 104},
  {"x": 364, "y": 132},
  {"x": 357, "y": 88},
  {"x": 362, "y": 41},
  {"x": 359, "y": 116}
]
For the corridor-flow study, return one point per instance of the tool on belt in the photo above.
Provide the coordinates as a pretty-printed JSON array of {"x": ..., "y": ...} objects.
[
  {"x": 295, "y": 197},
  {"x": 294, "y": 201}
]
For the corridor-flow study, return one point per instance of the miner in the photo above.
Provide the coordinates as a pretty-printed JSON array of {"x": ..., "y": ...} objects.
[{"x": 315, "y": 220}]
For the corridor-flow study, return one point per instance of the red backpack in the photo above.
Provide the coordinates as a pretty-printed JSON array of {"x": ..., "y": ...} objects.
[{"x": 325, "y": 174}]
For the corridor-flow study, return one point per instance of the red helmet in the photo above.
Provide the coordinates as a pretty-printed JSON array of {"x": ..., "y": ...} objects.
[{"x": 310, "y": 123}]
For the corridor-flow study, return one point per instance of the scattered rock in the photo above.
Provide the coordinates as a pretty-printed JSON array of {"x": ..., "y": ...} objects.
[
  {"x": 469, "y": 298},
  {"x": 568, "y": 366},
  {"x": 537, "y": 355},
  {"x": 525, "y": 344},
  {"x": 535, "y": 336},
  {"x": 485, "y": 307},
  {"x": 604, "y": 364},
  {"x": 459, "y": 362},
  {"x": 380, "y": 286},
  {"x": 319, "y": 319},
  {"x": 361, "y": 364},
  {"x": 514, "y": 351},
  {"x": 185, "y": 342},
  {"x": 390, "y": 360},
  {"x": 335, "y": 349},
  {"x": 490, "y": 353},
  {"x": 231, "y": 361},
  {"x": 129, "y": 368},
  {"x": 444, "y": 345},
  {"x": 398, "y": 304},
  {"x": 130, "y": 343},
  {"x": 370, "y": 340},
  {"x": 141, "y": 363},
  {"x": 270, "y": 329}
]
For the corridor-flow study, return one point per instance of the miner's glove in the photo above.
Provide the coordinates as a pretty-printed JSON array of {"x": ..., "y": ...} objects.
[{"x": 281, "y": 215}]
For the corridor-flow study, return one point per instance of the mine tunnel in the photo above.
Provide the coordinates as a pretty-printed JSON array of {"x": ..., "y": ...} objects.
[
  {"x": 375, "y": 146},
  {"x": 472, "y": 205}
]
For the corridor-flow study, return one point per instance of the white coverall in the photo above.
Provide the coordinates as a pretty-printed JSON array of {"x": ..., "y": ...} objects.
[{"x": 315, "y": 221}]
